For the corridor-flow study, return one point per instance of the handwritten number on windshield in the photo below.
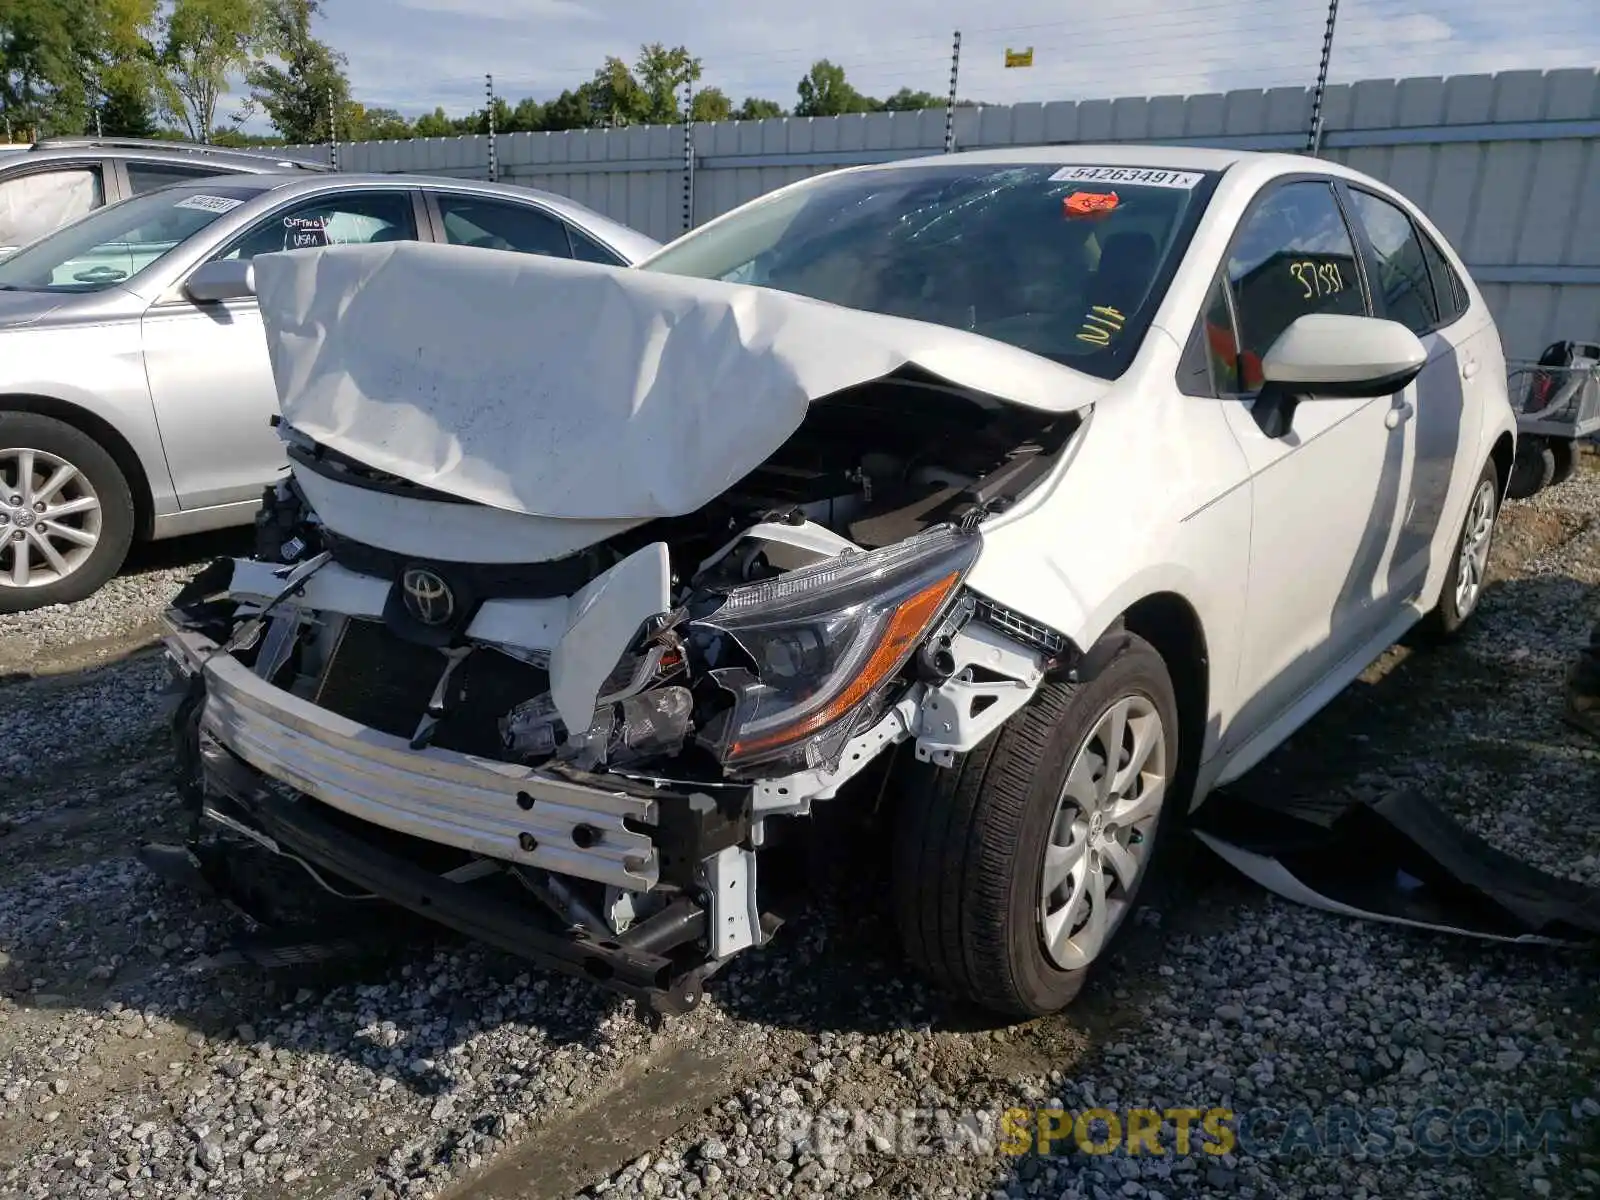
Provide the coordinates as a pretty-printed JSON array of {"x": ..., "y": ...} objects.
[{"x": 1100, "y": 325}]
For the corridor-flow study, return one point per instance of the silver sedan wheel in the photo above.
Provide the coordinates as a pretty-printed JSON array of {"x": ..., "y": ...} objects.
[
  {"x": 49, "y": 518},
  {"x": 1103, "y": 829},
  {"x": 1475, "y": 539}
]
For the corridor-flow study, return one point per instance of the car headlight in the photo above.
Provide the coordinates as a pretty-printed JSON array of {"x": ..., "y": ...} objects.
[{"x": 825, "y": 639}]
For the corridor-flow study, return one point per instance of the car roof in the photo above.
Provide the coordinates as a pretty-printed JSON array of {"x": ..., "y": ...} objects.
[
  {"x": 1153, "y": 155},
  {"x": 250, "y": 159}
]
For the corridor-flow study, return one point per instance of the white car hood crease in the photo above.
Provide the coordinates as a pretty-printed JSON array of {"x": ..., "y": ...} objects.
[{"x": 571, "y": 390}]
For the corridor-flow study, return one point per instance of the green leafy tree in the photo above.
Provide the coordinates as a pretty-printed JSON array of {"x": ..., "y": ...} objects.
[
  {"x": 61, "y": 59},
  {"x": 662, "y": 75},
  {"x": 824, "y": 92},
  {"x": 573, "y": 109},
  {"x": 502, "y": 118},
  {"x": 434, "y": 124},
  {"x": 906, "y": 100},
  {"x": 711, "y": 104},
  {"x": 201, "y": 43},
  {"x": 616, "y": 96},
  {"x": 526, "y": 117},
  {"x": 375, "y": 124},
  {"x": 756, "y": 109},
  {"x": 298, "y": 77}
]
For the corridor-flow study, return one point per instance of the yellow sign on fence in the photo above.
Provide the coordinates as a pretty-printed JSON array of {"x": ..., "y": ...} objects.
[{"x": 1019, "y": 58}]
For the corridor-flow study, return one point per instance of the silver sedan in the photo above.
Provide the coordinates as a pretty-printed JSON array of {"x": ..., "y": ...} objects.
[{"x": 136, "y": 395}]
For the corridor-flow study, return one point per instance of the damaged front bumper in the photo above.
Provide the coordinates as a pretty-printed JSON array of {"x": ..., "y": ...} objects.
[
  {"x": 515, "y": 814},
  {"x": 342, "y": 798}
]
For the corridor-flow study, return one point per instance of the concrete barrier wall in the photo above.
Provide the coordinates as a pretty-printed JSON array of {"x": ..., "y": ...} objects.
[{"x": 1508, "y": 165}]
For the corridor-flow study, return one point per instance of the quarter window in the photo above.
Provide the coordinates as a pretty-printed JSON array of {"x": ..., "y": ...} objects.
[
  {"x": 1292, "y": 256},
  {"x": 41, "y": 202},
  {"x": 1402, "y": 288},
  {"x": 1447, "y": 287}
]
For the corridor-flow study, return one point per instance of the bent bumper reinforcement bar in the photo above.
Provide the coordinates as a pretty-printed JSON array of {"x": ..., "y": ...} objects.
[{"x": 642, "y": 974}]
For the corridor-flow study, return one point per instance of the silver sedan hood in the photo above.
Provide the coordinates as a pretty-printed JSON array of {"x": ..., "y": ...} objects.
[{"x": 575, "y": 391}]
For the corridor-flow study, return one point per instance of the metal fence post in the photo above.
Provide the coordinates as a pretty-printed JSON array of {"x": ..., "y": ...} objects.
[{"x": 950, "y": 108}]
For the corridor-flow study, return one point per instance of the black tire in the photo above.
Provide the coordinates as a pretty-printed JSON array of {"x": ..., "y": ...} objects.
[
  {"x": 1564, "y": 461},
  {"x": 1446, "y": 619},
  {"x": 1533, "y": 469},
  {"x": 970, "y": 840},
  {"x": 21, "y": 430}
]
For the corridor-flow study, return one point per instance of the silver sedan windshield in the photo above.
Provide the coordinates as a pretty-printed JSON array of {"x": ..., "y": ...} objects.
[{"x": 115, "y": 244}]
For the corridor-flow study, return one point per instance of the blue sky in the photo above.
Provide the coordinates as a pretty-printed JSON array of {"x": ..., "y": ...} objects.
[{"x": 417, "y": 54}]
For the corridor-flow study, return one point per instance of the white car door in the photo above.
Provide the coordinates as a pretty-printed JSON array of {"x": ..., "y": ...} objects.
[
  {"x": 1327, "y": 492},
  {"x": 210, "y": 378},
  {"x": 1446, "y": 420}
]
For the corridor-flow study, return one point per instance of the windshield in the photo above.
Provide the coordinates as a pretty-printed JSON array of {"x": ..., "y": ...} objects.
[
  {"x": 1068, "y": 262},
  {"x": 114, "y": 244}
]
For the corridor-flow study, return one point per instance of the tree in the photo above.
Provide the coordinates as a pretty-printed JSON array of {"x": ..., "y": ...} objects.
[
  {"x": 434, "y": 124},
  {"x": 711, "y": 104},
  {"x": 755, "y": 109},
  {"x": 662, "y": 75},
  {"x": 906, "y": 100},
  {"x": 571, "y": 110},
  {"x": 824, "y": 92},
  {"x": 374, "y": 124},
  {"x": 202, "y": 42},
  {"x": 616, "y": 97},
  {"x": 526, "y": 117},
  {"x": 61, "y": 59},
  {"x": 299, "y": 78}
]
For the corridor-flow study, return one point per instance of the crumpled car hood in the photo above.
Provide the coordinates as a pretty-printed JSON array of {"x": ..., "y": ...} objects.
[{"x": 572, "y": 390}]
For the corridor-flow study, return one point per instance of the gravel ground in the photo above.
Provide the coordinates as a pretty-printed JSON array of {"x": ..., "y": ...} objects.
[
  {"x": 120, "y": 617},
  {"x": 131, "y": 1067}
]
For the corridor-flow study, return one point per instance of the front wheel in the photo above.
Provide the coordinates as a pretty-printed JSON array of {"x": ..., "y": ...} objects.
[
  {"x": 66, "y": 514},
  {"x": 1016, "y": 868},
  {"x": 1469, "y": 562}
]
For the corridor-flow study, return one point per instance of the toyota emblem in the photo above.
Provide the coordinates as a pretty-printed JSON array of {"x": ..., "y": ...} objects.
[{"x": 428, "y": 597}]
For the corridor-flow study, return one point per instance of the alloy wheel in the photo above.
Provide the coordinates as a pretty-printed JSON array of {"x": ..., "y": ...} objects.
[
  {"x": 50, "y": 518},
  {"x": 1102, "y": 832},
  {"x": 1474, "y": 557}
]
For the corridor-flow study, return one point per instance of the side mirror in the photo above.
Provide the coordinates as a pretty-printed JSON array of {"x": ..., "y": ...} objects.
[
  {"x": 1331, "y": 354},
  {"x": 228, "y": 279}
]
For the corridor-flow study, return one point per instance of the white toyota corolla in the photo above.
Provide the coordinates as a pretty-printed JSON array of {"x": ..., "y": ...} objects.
[{"x": 1025, "y": 495}]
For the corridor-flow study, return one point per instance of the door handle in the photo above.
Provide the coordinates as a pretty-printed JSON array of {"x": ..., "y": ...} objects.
[
  {"x": 1398, "y": 415},
  {"x": 1469, "y": 368}
]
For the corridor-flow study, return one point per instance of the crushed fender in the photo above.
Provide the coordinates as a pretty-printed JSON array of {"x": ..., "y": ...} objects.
[{"x": 1402, "y": 860}]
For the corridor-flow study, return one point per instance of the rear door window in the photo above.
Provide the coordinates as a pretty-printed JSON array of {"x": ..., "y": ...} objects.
[
  {"x": 41, "y": 202},
  {"x": 147, "y": 176},
  {"x": 1403, "y": 290},
  {"x": 494, "y": 225},
  {"x": 1293, "y": 255}
]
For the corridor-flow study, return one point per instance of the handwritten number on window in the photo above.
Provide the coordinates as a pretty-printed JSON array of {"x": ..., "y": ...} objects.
[
  {"x": 1318, "y": 279},
  {"x": 1098, "y": 327}
]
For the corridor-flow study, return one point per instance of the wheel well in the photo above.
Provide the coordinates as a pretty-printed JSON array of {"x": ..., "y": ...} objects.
[
  {"x": 113, "y": 442},
  {"x": 1168, "y": 622},
  {"x": 1502, "y": 455}
]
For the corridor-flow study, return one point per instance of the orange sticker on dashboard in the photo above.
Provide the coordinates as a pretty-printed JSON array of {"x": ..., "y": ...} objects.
[{"x": 1090, "y": 204}]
